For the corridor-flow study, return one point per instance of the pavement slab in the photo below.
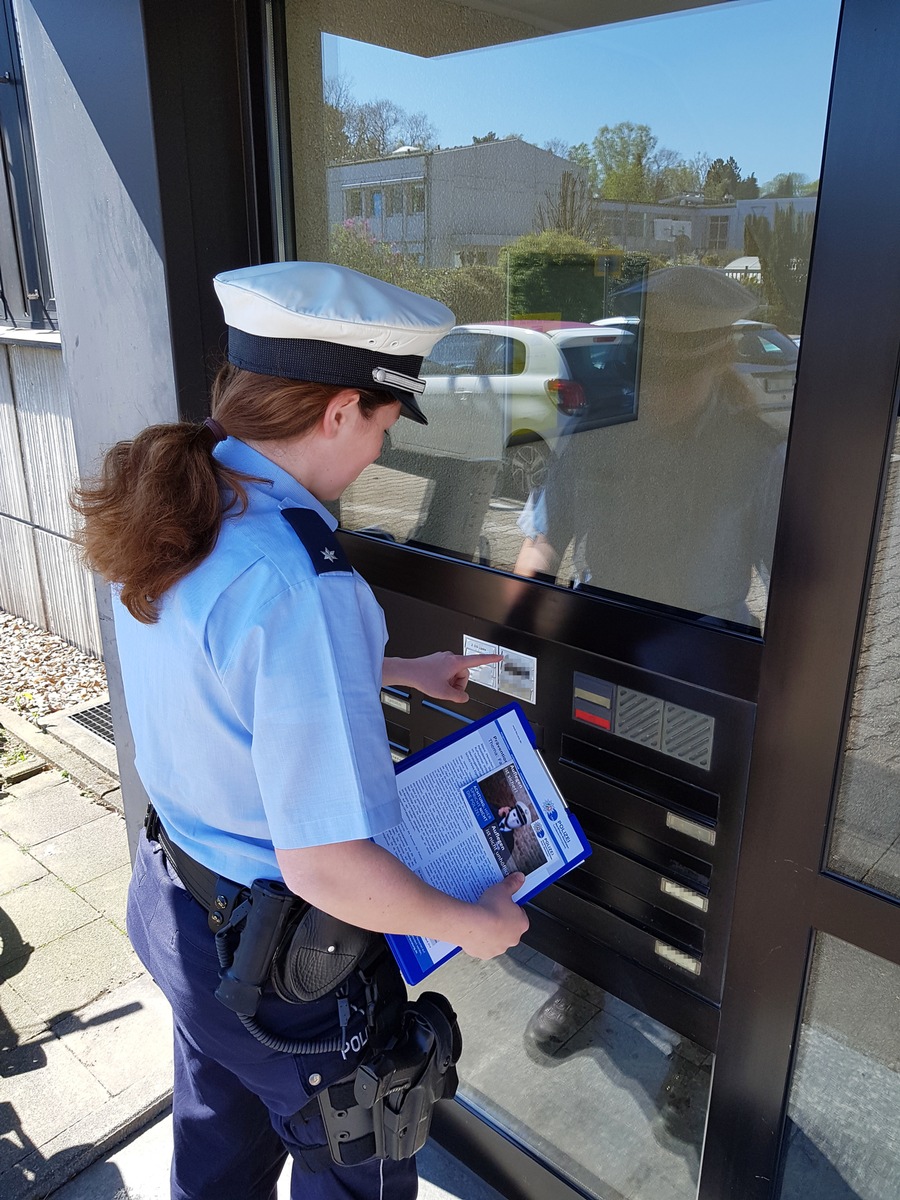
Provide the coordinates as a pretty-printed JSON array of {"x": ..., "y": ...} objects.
[
  {"x": 86, "y": 853},
  {"x": 19, "y": 1024},
  {"x": 44, "y": 812},
  {"x": 34, "y": 783},
  {"x": 48, "y": 909},
  {"x": 17, "y": 866},
  {"x": 139, "y": 1170},
  {"x": 108, "y": 894},
  {"x": 30, "y": 1119},
  {"x": 76, "y": 969},
  {"x": 46, "y": 1168},
  {"x": 124, "y": 1035}
]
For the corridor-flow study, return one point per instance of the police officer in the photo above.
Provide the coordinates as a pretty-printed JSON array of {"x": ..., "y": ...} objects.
[{"x": 252, "y": 657}]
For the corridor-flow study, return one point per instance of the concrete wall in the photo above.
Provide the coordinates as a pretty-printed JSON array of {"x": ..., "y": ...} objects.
[{"x": 87, "y": 83}]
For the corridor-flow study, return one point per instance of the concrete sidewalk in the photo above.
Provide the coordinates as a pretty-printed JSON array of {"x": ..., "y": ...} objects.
[{"x": 85, "y": 1035}]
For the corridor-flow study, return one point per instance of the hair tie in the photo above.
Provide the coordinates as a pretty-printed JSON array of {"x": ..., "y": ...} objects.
[{"x": 215, "y": 429}]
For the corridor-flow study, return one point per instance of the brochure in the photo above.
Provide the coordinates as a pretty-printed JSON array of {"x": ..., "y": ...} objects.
[{"x": 477, "y": 806}]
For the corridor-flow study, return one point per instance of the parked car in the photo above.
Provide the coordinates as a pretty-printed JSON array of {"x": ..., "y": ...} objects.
[{"x": 504, "y": 392}]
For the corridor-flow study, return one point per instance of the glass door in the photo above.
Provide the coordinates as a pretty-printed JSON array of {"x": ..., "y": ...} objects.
[{"x": 620, "y": 214}]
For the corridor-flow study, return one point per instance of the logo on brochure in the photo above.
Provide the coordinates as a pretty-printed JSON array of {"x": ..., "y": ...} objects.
[{"x": 551, "y": 811}]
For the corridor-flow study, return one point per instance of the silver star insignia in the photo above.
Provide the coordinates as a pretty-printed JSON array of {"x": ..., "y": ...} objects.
[{"x": 329, "y": 555}]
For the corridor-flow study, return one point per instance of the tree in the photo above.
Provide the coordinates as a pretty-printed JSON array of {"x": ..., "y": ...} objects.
[
  {"x": 572, "y": 209},
  {"x": 353, "y": 245},
  {"x": 748, "y": 189},
  {"x": 473, "y": 294},
  {"x": 581, "y": 155},
  {"x": 488, "y": 137},
  {"x": 722, "y": 179},
  {"x": 558, "y": 146},
  {"x": 787, "y": 185},
  {"x": 357, "y": 130},
  {"x": 783, "y": 250},
  {"x": 632, "y": 167},
  {"x": 624, "y": 157}
]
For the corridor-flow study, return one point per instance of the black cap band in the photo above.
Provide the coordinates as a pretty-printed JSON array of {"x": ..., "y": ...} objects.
[{"x": 324, "y": 362}]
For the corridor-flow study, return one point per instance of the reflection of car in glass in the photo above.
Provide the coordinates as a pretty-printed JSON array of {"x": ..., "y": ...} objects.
[
  {"x": 503, "y": 392},
  {"x": 765, "y": 358},
  {"x": 604, "y": 367}
]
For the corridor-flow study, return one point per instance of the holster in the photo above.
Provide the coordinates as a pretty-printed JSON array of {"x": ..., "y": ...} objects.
[
  {"x": 317, "y": 953},
  {"x": 266, "y": 932}
]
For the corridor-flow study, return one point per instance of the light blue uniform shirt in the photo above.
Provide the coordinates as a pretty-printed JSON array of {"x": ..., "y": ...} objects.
[{"x": 255, "y": 699}]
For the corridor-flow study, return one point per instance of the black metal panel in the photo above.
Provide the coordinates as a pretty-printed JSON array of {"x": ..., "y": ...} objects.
[
  {"x": 516, "y": 1174},
  {"x": 647, "y": 917},
  {"x": 694, "y": 651},
  {"x": 206, "y": 132},
  {"x": 842, "y": 425},
  {"x": 663, "y": 999}
]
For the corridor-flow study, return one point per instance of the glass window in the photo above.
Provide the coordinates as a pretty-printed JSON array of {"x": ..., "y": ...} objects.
[
  {"x": 718, "y": 233},
  {"x": 465, "y": 352},
  {"x": 26, "y": 287},
  {"x": 353, "y": 203},
  {"x": 417, "y": 198},
  {"x": 648, "y": 468},
  {"x": 614, "y": 1099},
  {"x": 865, "y": 842},
  {"x": 842, "y": 1140},
  {"x": 393, "y": 201}
]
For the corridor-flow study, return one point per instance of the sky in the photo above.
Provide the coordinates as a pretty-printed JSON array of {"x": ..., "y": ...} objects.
[{"x": 749, "y": 78}]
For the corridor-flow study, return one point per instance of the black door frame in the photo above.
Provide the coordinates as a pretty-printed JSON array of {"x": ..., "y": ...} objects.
[
  {"x": 842, "y": 429},
  {"x": 843, "y": 417}
]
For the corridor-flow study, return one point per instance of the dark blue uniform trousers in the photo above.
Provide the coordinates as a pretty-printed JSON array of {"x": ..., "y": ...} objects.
[{"x": 236, "y": 1104}]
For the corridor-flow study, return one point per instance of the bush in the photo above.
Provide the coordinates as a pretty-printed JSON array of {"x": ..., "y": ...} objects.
[
  {"x": 473, "y": 293},
  {"x": 553, "y": 274},
  {"x": 352, "y": 245}
]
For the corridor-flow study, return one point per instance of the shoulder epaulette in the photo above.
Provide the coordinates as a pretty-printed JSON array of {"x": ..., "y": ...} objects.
[{"x": 320, "y": 543}]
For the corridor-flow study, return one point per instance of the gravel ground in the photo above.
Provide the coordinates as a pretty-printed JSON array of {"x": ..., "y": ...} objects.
[{"x": 41, "y": 673}]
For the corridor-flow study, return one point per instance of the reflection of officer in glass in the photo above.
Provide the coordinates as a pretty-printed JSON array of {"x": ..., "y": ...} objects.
[
  {"x": 252, "y": 663},
  {"x": 679, "y": 505}
]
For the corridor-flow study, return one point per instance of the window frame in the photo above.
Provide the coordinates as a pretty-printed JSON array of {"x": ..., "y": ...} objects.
[{"x": 26, "y": 288}]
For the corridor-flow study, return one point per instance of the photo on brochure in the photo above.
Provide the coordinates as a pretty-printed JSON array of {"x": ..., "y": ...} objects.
[{"x": 509, "y": 820}]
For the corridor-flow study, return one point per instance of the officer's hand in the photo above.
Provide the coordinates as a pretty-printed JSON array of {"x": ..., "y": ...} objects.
[
  {"x": 500, "y": 921},
  {"x": 444, "y": 675}
]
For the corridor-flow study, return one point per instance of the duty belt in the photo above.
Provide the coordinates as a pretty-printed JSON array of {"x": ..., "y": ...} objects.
[{"x": 216, "y": 895}]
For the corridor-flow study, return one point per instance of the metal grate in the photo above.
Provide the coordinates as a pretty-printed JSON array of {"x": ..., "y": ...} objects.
[
  {"x": 688, "y": 735},
  {"x": 98, "y": 720},
  {"x": 639, "y": 718}
]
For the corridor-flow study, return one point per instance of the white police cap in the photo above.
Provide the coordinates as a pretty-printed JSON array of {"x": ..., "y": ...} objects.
[
  {"x": 331, "y": 324},
  {"x": 693, "y": 299}
]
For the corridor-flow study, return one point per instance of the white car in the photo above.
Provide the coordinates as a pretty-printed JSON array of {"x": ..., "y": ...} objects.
[{"x": 504, "y": 391}]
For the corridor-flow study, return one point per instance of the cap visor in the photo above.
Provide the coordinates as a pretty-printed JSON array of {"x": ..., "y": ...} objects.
[{"x": 408, "y": 404}]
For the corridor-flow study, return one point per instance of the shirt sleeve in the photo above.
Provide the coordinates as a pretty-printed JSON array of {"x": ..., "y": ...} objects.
[{"x": 304, "y": 679}]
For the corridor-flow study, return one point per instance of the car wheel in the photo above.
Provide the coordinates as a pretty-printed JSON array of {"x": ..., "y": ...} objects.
[{"x": 524, "y": 468}]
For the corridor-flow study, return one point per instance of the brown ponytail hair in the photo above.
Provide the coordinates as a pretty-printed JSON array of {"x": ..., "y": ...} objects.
[{"x": 155, "y": 511}]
